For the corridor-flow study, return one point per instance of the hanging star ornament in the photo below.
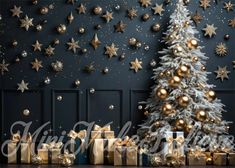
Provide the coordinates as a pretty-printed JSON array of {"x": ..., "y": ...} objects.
[
  {"x": 222, "y": 73},
  {"x": 95, "y": 42},
  {"x": 145, "y": 3},
  {"x": 209, "y": 30},
  {"x": 158, "y": 9},
  {"x": 132, "y": 13},
  {"x": 228, "y": 6},
  {"x": 197, "y": 17},
  {"x": 36, "y": 64},
  {"x": 73, "y": 45},
  {"x": 136, "y": 65},
  {"x": 120, "y": 27},
  {"x": 37, "y": 46},
  {"x": 81, "y": 9},
  {"x": 49, "y": 51},
  {"x": 4, "y": 67},
  {"x": 108, "y": 16},
  {"x": 26, "y": 22},
  {"x": 111, "y": 50},
  {"x": 205, "y": 4},
  {"x": 16, "y": 11},
  {"x": 232, "y": 23},
  {"x": 23, "y": 86}
]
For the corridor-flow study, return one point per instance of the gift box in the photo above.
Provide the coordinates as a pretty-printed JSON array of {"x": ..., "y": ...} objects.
[
  {"x": 77, "y": 146},
  {"x": 231, "y": 159},
  {"x": 220, "y": 159},
  {"x": 151, "y": 160},
  {"x": 99, "y": 132},
  {"x": 196, "y": 157},
  {"x": 101, "y": 151},
  {"x": 174, "y": 159}
]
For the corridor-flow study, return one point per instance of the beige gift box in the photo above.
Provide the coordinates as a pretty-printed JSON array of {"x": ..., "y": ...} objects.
[
  {"x": 220, "y": 159},
  {"x": 125, "y": 155}
]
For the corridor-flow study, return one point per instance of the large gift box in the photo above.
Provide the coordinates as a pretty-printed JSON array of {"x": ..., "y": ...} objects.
[
  {"x": 220, "y": 159},
  {"x": 99, "y": 132},
  {"x": 231, "y": 159},
  {"x": 197, "y": 157}
]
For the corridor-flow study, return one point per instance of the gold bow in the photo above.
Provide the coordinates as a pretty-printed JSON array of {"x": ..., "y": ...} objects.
[
  {"x": 104, "y": 128},
  {"x": 66, "y": 157},
  {"x": 197, "y": 152},
  {"x": 175, "y": 159},
  {"x": 81, "y": 134},
  {"x": 127, "y": 141},
  {"x": 15, "y": 138},
  {"x": 52, "y": 145},
  {"x": 179, "y": 140}
]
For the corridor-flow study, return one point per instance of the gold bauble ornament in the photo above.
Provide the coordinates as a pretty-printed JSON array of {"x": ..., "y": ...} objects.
[
  {"x": 44, "y": 10},
  {"x": 201, "y": 115},
  {"x": 167, "y": 109},
  {"x": 146, "y": 113},
  {"x": 177, "y": 50},
  {"x": 161, "y": 74},
  {"x": 209, "y": 161},
  {"x": 179, "y": 124},
  {"x": 161, "y": 93},
  {"x": 186, "y": 23},
  {"x": 157, "y": 123},
  {"x": 188, "y": 128},
  {"x": 210, "y": 95},
  {"x": 167, "y": 73},
  {"x": 66, "y": 162},
  {"x": 183, "y": 101},
  {"x": 203, "y": 68},
  {"x": 192, "y": 44},
  {"x": 195, "y": 59},
  {"x": 97, "y": 10},
  {"x": 174, "y": 81},
  {"x": 61, "y": 29},
  {"x": 156, "y": 27},
  {"x": 183, "y": 71}
]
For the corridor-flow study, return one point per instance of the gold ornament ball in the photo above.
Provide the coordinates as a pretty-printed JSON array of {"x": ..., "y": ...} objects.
[
  {"x": 183, "y": 71},
  {"x": 201, "y": 115},
  {"x": 211, "y": 95},
  {"x": 209, "y": 161},
  {"x": 179, "y": 124},
  {"x": 203, "y": 68},
  {"x": 44, "y": 10},
  {"x": 167, "y": 109},
  {"x": 186, "y": 23},
  {"x": 167, "y": 73},
  {"x": 81, "y": 30},
  {"x": 188, "y": 128},
  {"x": 192, "y": 44},
  {"x": 39, "y": 27},
  {"x": 157, "y": 123},
  {"x": 183, "y": 101},
  {"x": 174, "y": 81},
  {"x": 26, "y": 112},
  {"x": 61, "y": 29},
  {"x": 156, "y": 27},
  {"x": 145, "y": 17},
  {"x": 66, "y": 162},
  {"x": 146, "y": 113},
  {"x": 14, "y": 43},
  {"x": 77, "y": 82},
  {"x": 177, "y": 50},
  {"x": 162, "y": 93},
  {"x": 195, "y": 59},
  {"x": 161, "y": 74},
  {"x": 132, "y": 41},
  {"x": 97, "y": 10},
  {"x": 34, "y": 2}
]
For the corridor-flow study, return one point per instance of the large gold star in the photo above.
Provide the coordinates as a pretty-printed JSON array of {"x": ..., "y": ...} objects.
[
  {"x": 3, "y": 67},
  {"x": 197, "y": 17},
  {"x": 49, "y": 51},
  {"x": 145, "y": 3},
  {"x": 26, "y": 22},
  {"x": 221, "y": 49},
  {"x": 16, "y": 11},
  {"x": 23, "y": 86},
  {"x": 120, "y": 27},
  {"x": 136, "y": 65},
  {"x": 95, "y": 42},
  {"x": 222, "y": 73},
  {"x": 111, "y": 50},
  {"x": 73, "y": 45},
  {"x": 36, "y": 64},
  {"x": 210, "y": 30},
  {"x": 37, "y": 46},
  {"x": 108, "y": 16},
  {"x": 81, "y": 9},
  {"x": 158, "y": 9},
  {"x": 232, "y": 23},
  {"x": 205, "y": 4},
  {"x": 132, "y": 13},
  {"x": 228, "y": 6}
]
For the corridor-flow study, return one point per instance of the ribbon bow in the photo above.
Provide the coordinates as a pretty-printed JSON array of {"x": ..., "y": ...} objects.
[
  {"x": 52, "y": 145},
  {"x": 66, "y": 159},
  {"x": 127, "y": 141},
  {"x": 81, "y": 134},
  {"x": 175, "y": 159},
  {"x": 179, "y": 140},
  {"x": 104, "y": 128},
  {"x": 15, "y": 138},
  {"x": 197, "y": 152}
]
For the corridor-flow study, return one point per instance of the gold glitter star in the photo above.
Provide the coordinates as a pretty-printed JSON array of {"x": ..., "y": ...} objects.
[
  {"x": 3, "y": 67},
  {"x": 221, "y": 49},
  {"x": 145, "y": 3},
  {"x": 232, "y": 23},
  {"x": 158, "y": 9},
  {"x": 222, "y": 73},
  {"x": 233, "y": 64},
  {"x": 26, "y": 22},
  {"x": 37, "y": 46},
  {"x": 16, "y": 11},
  {"x": 70, "y": 18},
  {"x": 108, "y": 16},
  {"x": 73, "y": 45},
  {"x": 205, "y": 4},
  {"x": 36, "y": 64},
  {"x": 111, "y": 50},
  {"x": 197, "y": 17},
  {"x": 132, "y": 13},
  {"x": 49, "y": 51},
  {"x": 228, "y": 6},
  {"x": 136, "y": 65},
  {"x": 120, "y": 27},
  {"x": 81, "y": 9},
  {"x": 95, "y": 42},
  {"x": 23, "y": 86},
  {"x": 210, "y": 30}
]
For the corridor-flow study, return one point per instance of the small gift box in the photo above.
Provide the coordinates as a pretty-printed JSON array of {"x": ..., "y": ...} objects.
[
  {"x": 220, "y": 159},
  {"x": 49, "y": 152},
  {"x": 231, "y": 159},
  {"x": 153, "y": 160},
  {"x": 77, "y": 146},
  {"x": 175, "y": 159},
  {"x": 196, "y": 157},
  {"x": 101, "y": 151},
  {"x": 102, "y": 132}
]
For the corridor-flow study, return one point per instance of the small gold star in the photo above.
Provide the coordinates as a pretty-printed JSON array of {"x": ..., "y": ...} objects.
[
  {"x": 36, "y": 64},
  {"x": 120, "y": 27},
  {"x": 49, "y": 51},
  {"x": 4, "y": 67},
  {"x": 132, "y": 13},
  {"x": 197, "y": 17},
  {"x": 145, "y": 3},
  {"x": 108, "y": 16},
  {"x": 221, "y": 49},
  {"x": 81, "y": 9},
  {"x": 37, "y": 46},
  {"x": 111, "y": 50},
  {"x": 232, "y": 23},
  {"x": 233, "y": 64},
  {"x": 158, "y": 9},
  {"x": 228, "y": 6},
  {"x": 16, "y": 11},
  {"x": 205, "y": 4},
  {"x": 95, "y": 42},
  {"x": 26, "y": 22},
  {"x": 210, "y": 30},
  {"x": 71, "y": 1},
  {"x": 222, "y": 73},
  {"x": 89, "y": 68},
  {"x": 73, "y": 45},
  {"x": 136, "y": 65},
  {"x": 23, "y": 86},
  {"x": 70, "y": 18}
]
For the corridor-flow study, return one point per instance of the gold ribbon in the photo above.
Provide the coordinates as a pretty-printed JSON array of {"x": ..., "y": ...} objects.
[
  {"x": 52, "y": 145},
  {"x": 179, "y": 140},
  {"x": 127, "y": 141},
  {"x": 15, "y": 138},
  {"x": 66, "y": 159},
  {"x": 104, "y": 128},
  {"x": 175, "y": 159},
  {"x": 81, "y": 134},
  {"x": 197, "y": 152}
]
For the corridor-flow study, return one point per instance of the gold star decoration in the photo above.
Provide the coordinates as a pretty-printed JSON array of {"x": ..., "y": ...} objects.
[
  {"x": 197, "y": 17},
  {"x": 111, "y": 50},
  {"x": 108, "y": 16},
  {"x": 95, "y": 42},
  {"x": 232, "y": 23},
  {"x": 36, "y": 64},
  {"x": 37, "y": 46},
  {"x": 71, "y": 1},
  {"x": 16, "y": 11},
  {"x": 26, "y": 22},
  {"x": 233, "y": 64},
  {"x": 228, "y": 6},
  {"x": 221, "y": 49},
  {"x": 136, "y": 65},
  {"x": 23, "y": 86},
  {"x": 81, "y": 9},
  {"x": 49, "y": 51},
  {"x": 222, "y": 73},
  {"x": 120, "y": 27},
  {"x": 73, "y": 45},
  {"x": 145, "y": 3},
  {"x": 210, "y": 30},
  {"x": 205, "y": 4},
  {"x": 70, "y": 17},
  {"x": 158, "y": 9},
  {"x": 4, "y": 67},
  {"x": 89, "y": 68},
  {"x": 132, "y": 13}
]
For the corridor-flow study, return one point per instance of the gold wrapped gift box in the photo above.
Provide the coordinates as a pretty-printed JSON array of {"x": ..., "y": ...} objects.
[
  {"x": 231, "y": 159},
  {"x": 99, "y": 132},
  {"x": 125, "y": 156},
  {"x": 220, "y": 159},
  {"x": 193, "y": 160}
]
